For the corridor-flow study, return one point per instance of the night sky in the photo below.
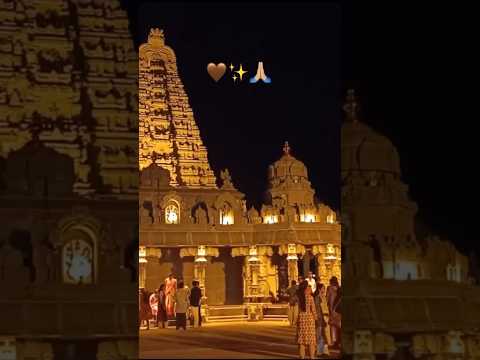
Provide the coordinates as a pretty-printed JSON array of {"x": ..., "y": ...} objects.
[
  {"x": 244, "y": 126},
  {"x": 408, "y": 65}
]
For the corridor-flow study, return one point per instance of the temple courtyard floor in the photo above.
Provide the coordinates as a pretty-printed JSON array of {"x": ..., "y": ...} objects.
[{"x": 227, "y": 340}]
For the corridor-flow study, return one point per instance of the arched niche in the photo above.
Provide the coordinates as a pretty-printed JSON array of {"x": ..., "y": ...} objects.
[
  {"x": 228, "y": 209},
  {"x": 200, "y": 213},
  {"x": 172, "y": 208},
  {"x": 77, "y": 239}
]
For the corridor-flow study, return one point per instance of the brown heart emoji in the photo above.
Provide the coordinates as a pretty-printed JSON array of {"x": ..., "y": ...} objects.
[{"x": 216, "y": 71}]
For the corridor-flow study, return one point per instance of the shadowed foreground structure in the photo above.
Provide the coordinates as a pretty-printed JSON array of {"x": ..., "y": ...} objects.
[
  {"x": 68, "y": 181},
  {"x": 406, "y": 294}
]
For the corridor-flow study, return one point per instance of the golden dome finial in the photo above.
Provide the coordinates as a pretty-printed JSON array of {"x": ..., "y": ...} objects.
[
  {"x": 351, "y": 106},
  {"x": 286, "y": 148},
  {"x": 156, "y": 37}
]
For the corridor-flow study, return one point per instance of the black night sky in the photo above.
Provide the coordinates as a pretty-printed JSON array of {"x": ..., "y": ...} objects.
[
  {"x": 410, "y": 65},
  {"x": 244, "y": 126},
  {"x": 407, "y": 65}
]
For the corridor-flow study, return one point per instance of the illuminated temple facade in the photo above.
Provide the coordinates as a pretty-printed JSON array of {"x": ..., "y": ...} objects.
[
  {"x": 198, "y": 227},
  {"x": 406, "y": 295}
]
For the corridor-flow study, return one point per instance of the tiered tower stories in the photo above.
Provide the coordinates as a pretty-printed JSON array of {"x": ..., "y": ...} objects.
[{"x": 169, "y": 136}]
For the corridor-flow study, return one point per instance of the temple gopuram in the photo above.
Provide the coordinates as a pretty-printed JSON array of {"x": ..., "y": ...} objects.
[
  {"x": 68, "y": 181},
  {"x": 405, "y": 295},
  {"x": 198, "y": 227}
]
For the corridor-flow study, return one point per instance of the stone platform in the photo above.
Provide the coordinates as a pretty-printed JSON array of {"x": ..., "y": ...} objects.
[{"x": 244, "y": 340}]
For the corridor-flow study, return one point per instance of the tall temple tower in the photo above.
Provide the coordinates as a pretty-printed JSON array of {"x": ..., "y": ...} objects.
[
  {"x": 169, "y": 136},
  {"x": 72, "y": 88}
]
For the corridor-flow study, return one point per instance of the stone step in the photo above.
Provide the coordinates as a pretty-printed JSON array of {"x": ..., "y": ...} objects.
[{"x": 232, "y": 318}]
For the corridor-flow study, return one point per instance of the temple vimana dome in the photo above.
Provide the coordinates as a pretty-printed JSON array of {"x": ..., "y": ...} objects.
[
  {"x": 405, "y": 295},
  {"x": 198, "y": 227}
]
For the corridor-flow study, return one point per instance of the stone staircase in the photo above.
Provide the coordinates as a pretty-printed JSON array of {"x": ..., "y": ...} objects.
[
  {"x": 222, "y": 313},
  {"x": 276, "y": 312}
]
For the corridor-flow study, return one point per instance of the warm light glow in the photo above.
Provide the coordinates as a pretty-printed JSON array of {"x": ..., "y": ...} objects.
[
  {"x": 201, "y": 254},
  {"x": 292, "y": 252},
  {"x": 227, "y": 220},
  {"x": 271, "y": 219},
  {"x": 200, "y": 259},
  {"x": 172, "y": 214},
  {"x": 142, "y": 253},
  {"x": 226, "y": 215},
  {"x": 330, "y": 219},
  {"x": 307, "y": 218},
  {"x": 330, "y": 249},
  {"x": 202, "y": 250},
  {"x": 330, "y": 253},
  {"x": 252, "y": 252}
]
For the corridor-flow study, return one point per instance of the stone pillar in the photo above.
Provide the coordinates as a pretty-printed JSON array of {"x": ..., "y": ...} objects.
[
  {"x": 328, "y": 262},
  {"x": 363, "y": 345},
  {"x": 119, "y": 349},
  {"x": 200, "y": 267},
  {"x": 337, "y": 265},
  {"x": 33, "y": 350},
  {"x": 144, "y": 255},
  {"x": 142, "y": 267},
  {"x": 306, "y": 264},
  {"x": 201, "y": 254},
  {"x": 292, "y": 259},
  {"x": 323, "y": 269}
]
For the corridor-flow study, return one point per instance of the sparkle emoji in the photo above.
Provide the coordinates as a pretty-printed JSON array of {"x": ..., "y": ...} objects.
[{"x": 241, "y": 72}]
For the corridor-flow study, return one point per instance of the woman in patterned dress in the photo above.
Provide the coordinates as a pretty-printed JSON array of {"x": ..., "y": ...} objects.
[{"x": 306, "y": 331}]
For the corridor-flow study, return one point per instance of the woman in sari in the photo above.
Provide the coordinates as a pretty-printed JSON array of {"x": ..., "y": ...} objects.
[{"x": 170, "y": 289}]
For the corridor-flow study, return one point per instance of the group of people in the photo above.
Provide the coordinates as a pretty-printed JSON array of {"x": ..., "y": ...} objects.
[
  {"x": 171, "y": 300},
  {"x": 315, "y": 311}
]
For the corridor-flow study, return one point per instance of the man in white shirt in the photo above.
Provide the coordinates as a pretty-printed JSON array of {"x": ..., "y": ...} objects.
[{"x": 311, "y": 281}]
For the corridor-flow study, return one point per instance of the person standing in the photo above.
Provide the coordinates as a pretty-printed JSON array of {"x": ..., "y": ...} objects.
[
  {"x": 311, "y": 281},
  {"x": 162, "y": 306},
  {"x": 306, "y": 332},
  {"x": 170, "y": 289},
  {"x": 336, "y": 319},
  {"x": 153, "y": 300},
  {"x": 292, "y": 303},
  {"x": 334, "y": 316},
  {"x": 181, "y": 299},
  {"x": 145, "y": 310},
  {"x": 322, "y": 312},
  {"x": 195, "y": 298}
]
